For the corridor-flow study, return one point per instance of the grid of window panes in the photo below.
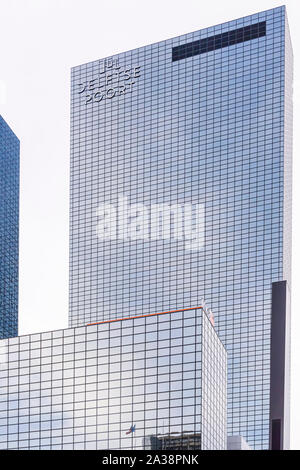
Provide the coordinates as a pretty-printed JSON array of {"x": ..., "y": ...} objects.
[
  {"x": 214, "y": 394},
  {"x": 9, "y": 230},
  {"x": 83, "y": 388},
  {"x": 206, "y": 129}
]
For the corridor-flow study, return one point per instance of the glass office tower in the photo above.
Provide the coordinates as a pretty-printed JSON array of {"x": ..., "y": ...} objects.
[
  {"x": 181, "y": 189},
  {"x": 115, "y": 384},
  {"x": 9, "y": 230}
]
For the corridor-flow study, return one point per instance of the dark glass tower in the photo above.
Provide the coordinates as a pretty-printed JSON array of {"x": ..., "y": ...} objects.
[
  {"x": 204, "y": 119},
  {"x": 9, "y": 230}
]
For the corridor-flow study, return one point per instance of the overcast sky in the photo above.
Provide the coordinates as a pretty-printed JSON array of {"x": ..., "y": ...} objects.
[{"x": 40, "y": 41}]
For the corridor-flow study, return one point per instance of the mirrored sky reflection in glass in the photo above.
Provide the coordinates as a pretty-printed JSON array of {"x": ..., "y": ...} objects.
[{"x": 83, "y": 388}]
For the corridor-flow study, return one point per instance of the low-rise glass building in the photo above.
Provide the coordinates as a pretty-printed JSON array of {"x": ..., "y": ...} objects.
[{"x": 115, "y": 385}]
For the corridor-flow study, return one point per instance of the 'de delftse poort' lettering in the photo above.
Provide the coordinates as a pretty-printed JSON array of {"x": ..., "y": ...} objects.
[{"x": 113, "y": 80}]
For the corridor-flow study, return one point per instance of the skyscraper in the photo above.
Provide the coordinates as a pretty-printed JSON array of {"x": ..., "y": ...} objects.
[
  {"x": 9, "y": 230},
  {"x": 181, "y": 157}
]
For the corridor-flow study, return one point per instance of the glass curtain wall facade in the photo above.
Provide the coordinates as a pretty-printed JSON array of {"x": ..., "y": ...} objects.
[
  {"x": 9, "y": 230},
  {"x": 86, "y": 387},
  {"x": 204, "y": 118}
]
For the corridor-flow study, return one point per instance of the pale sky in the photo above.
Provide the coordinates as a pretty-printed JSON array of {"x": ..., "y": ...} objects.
[{"x": 40, "y": 41}]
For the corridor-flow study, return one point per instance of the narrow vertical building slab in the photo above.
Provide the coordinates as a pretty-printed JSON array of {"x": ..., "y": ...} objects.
[{"x": 9, "y": 230}]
